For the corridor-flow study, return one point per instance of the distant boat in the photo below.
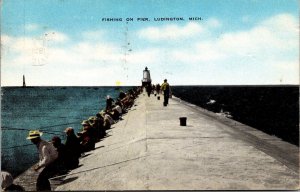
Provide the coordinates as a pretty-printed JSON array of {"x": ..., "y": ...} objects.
[{"x": 24, "y": 84}]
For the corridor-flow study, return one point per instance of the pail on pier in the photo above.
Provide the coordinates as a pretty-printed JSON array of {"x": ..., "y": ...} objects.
[
  {"x": 182, "y": 121},
  {"x": 158, "y": 97}
]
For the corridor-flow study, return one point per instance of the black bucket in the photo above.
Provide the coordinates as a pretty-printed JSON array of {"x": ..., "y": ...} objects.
[
  {"x": 158, "y": 97},
  {"x": 182, "y": 121}
]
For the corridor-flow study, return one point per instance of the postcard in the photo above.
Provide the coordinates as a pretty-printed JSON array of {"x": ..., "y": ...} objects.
[{"x": 179, "y": 95}]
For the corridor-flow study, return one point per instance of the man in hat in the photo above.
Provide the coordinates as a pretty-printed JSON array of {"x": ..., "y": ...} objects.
[
  {"x": 87, "y": 136},
  {"x": 165, "y": 87},
  {"x": 48, "y": 156}
]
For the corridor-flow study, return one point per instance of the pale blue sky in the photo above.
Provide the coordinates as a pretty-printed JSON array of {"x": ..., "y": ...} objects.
[{"x": 55, "y": 42}]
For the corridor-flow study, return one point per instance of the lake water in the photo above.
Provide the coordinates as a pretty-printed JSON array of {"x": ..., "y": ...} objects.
[
  {"x": 48, "y": 109},
  {"x": 272, "y": 109}
]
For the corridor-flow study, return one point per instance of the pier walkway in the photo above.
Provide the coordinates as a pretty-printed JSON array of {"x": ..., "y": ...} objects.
[{"x": 149, "y": 150}]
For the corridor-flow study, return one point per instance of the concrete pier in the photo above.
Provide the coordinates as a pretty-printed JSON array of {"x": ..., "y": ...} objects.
[{"x": 149, "y": 150}]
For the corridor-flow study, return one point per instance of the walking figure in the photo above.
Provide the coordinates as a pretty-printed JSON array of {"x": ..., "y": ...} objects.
[{"x": 165, "y": 87}]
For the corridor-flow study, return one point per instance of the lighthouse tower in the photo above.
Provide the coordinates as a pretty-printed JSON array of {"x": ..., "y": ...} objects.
[{"x": 146, "y": 77}]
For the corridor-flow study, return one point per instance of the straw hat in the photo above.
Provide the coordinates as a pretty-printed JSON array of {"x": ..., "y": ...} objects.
[
  {"x": 92, "y": 118},
  {"x": 34, "y": 134},
  {"x": 102, "y": 113},
  {"x": 85, "y": 122}
]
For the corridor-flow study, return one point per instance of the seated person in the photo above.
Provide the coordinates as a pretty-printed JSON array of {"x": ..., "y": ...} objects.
[
  {"x": 61, "y": 149},
  {"x": 114, "y": 114},
  {"x": 7, "y": 182},
  {"x": 73, "y": 149},
  {"x": 109, "y": 102},
  {"x": 100, "y": 122},
  {"x": 122, "y": 95},
  {"x": 87, "y": 137}
]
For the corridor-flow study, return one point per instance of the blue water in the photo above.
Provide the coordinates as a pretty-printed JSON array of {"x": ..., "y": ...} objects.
[
  {"x": 272, "y": 109},
  {"x": 49, "y": 109}
]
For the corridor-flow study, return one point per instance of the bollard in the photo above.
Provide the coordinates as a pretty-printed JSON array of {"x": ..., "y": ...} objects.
[
  {"x": 158, "y": 97},
  {"x": 182, "y": 121}
]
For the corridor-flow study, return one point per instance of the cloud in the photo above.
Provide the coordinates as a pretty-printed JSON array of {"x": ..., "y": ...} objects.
[
  {"x": 56, "y": 59},
  {"x": 213, "y": 23},
  {"x": 94, "y": 35},
  {"x": 31, "y": 27},
  {"x": 269, "y": 38},
  {"x": 147, "y": 56},
  {"x": 171, "y": 32},
  {"x": 56, "y": 37},
  {"x": 262, "y": 54}
]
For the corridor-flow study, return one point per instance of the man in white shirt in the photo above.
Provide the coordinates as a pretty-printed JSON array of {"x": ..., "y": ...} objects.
[{"x": 48, "y": 156}]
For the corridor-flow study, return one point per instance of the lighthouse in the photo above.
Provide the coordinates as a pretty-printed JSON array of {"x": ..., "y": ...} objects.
[{"x": 146, "y": 77}]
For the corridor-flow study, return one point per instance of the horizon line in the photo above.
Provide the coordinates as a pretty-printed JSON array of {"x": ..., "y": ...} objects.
[{"x": 154, "y": 84}]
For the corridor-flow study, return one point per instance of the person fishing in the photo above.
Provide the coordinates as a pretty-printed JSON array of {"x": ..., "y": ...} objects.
[
  {"x": 109, "y": 102},
  {"x": 7, "y": 182},
  {"x": 73, "y": 149},
  {"x": 48, "y": 160}
]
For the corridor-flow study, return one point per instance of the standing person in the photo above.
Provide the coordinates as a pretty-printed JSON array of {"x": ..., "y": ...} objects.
[
  {"x": 48, "y": 156},
  {"x": 157, "y": 89},
  {"x": 165, "y": 87},
  {"x": 149, "y": 89}
]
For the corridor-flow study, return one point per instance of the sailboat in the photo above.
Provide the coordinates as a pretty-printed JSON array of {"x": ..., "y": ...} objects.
[{"x": 24, "y": 84}]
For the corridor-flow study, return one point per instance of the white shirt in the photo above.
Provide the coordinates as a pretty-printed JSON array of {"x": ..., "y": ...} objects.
[
  {"x": 47, "y": 153},
  {"x": 118, "y": 108}
]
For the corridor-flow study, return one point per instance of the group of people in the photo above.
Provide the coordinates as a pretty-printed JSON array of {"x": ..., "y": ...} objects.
[
  {"x": 157, "y": 89},
  {"x": 56, "y": 157}
]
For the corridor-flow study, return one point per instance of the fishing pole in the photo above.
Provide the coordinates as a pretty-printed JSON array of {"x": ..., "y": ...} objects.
[{"x": 21, "y": 129}]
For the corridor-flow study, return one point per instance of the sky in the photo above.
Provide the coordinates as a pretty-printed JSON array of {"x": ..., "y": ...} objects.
[{"x": 74, "y": 43}]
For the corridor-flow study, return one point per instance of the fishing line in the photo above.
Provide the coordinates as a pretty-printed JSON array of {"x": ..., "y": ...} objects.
[
  {"x": 43, "y": 128},
  {"x": 91, "y": 169},
  {"x": 62, "y": 117},
  {"x": 17, "y": 146},
  {"x": 21, "y": 129},
  {"x": 99, "y": 167},
  {"x": 71, "y": 123},
  {"x": 59, "y": 133}
]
